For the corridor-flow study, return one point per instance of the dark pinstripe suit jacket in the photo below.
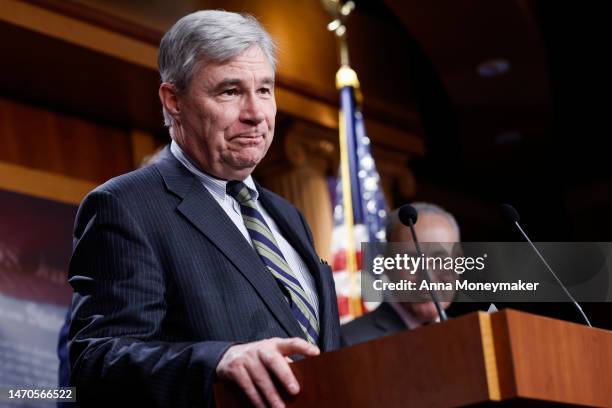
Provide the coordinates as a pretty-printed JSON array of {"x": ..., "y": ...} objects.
[{"x": 164, "y": 283}]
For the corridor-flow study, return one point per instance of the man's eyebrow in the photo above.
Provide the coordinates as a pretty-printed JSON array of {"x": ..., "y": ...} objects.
[
  {"x": 268, "y": 81},
  {"x": 230, "y": 82},
  {"x": 226, "y": 83}
]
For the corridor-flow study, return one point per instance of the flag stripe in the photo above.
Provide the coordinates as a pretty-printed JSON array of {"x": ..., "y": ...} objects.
[{"x": 367, "y": 200}]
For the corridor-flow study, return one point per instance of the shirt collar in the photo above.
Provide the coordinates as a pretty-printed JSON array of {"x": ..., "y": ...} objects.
[{"x": 217, "y": 187}]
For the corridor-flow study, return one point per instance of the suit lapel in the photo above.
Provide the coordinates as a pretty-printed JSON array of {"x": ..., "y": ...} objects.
[
  {"x": 204, "y": 213},
  {"x": 297, "y": 241}
]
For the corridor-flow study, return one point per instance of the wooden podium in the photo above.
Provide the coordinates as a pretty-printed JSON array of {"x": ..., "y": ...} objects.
[{"x": 505, "y": 358}]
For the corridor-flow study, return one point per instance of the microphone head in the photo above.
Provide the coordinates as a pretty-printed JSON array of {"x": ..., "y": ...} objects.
[
  {"x": 407, "y": 213},
  {"x": 509, "y": 213}
]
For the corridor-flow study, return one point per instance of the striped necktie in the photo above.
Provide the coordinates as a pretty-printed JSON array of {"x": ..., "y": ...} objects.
[{"x": 266, "y": 246}]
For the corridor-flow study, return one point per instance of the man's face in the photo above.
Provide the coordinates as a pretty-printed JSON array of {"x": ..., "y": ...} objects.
[
  {"x": 225, "y": 119},
  {"x": 430, "y": 227}
]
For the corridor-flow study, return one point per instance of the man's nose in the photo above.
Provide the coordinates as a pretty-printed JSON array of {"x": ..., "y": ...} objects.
[{"x": 252, "y": 110}]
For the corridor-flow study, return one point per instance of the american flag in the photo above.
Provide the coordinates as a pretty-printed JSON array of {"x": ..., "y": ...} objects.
[{"x": 368, "y": 205}]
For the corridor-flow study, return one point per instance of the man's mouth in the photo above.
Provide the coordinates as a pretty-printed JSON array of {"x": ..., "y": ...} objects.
[{"x": 247, "y": 139}]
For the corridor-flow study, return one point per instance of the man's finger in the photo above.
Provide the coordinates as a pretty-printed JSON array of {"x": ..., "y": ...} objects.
[
  {"x": 243, "y": 379},
  {"x": 260, "y": 376},
  {"x": 276, "y": 363},
  {"x": 296, "y": 345}
]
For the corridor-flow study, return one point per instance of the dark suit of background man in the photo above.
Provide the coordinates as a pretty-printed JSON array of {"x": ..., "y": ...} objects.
[
  {"x": 182, "y": 275},
  {"x": 434, "y": 224}
]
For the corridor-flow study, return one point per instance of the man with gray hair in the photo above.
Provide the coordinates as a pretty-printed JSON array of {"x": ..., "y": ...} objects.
[
  {"x": 188, "y": 271},
  {"x": 434, "y": 225}
]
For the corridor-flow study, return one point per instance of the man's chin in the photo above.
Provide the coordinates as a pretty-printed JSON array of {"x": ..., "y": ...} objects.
[
  {"x": 248, "y": 158},
  {"x": 246, "y": 165},
  {"x": 239, "y": 170}
]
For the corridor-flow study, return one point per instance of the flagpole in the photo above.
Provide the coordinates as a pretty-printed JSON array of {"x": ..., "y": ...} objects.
[{"x": 346, "y": 77}]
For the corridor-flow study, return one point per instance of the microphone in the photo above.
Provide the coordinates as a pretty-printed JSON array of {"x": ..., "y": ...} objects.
[
  {"x": 510, "y": 214},
  {"x": 408, "y": 216}
]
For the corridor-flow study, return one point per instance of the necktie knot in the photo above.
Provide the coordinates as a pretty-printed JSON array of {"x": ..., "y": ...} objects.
[{"x": 239, "y": 191}]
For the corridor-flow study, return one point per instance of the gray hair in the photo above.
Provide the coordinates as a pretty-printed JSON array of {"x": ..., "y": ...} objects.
[
  {"x": 208, "y": 36},
  {"x": 393, "y": 220}
]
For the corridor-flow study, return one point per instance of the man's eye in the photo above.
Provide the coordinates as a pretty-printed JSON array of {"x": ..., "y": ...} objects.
[
  {"x": 230, "y": 92},
  {"x": 266, "y": 91}
]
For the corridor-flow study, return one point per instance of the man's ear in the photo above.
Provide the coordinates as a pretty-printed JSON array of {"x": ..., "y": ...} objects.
[{"x": 170, "y": 100}]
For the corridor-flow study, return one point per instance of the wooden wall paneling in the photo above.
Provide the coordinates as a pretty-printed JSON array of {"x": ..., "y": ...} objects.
[
  {"x": 143, "y": 146},
  {"x": 43, "y": 184},
  {"x": 60, "y": 144},
  {"x": 89, "y": 36},
  {"x": 109, "y": 50}
]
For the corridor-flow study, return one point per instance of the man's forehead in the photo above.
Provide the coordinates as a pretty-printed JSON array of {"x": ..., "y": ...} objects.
[
  {"x": 251, "y": 59},
  {"x": 237, "y": 73}
]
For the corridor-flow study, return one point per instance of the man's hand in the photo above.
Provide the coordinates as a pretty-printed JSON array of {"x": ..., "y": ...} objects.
[{"x": 250, "y": 364}]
